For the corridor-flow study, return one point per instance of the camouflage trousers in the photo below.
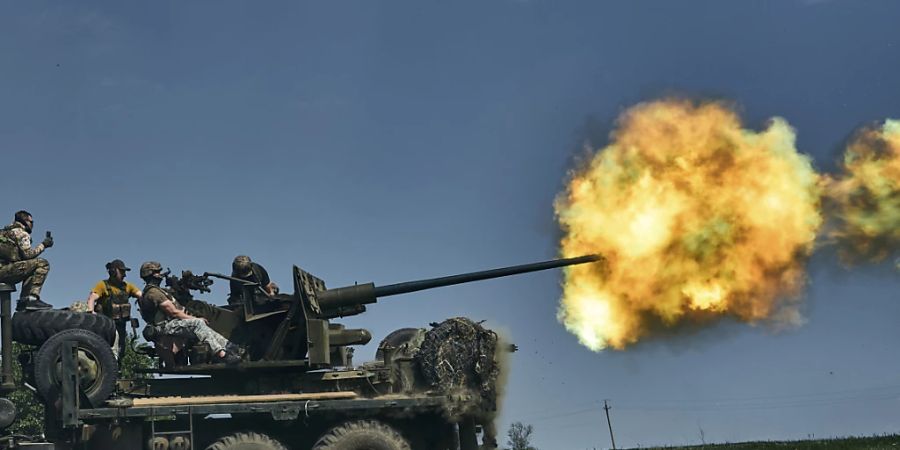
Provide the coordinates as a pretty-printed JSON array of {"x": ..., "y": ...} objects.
[
  {"x": 31, "y": 272},
  {"x": 196, "y": 329}
]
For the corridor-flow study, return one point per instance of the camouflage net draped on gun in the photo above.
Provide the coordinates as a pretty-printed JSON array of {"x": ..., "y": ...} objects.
[{"x": 459, "y": 355}]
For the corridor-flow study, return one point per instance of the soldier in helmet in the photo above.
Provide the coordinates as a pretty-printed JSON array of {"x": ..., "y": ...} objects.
[
  {"x": 245, "y": 269},
  {"x": 111, "y": 296},
  {"x": 159, "y": 308},
  {"x": 19, "y": 262}
]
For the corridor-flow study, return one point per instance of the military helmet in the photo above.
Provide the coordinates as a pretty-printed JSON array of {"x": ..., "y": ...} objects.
[
  {"x": 149, "y": 268},
  {"x": 241, "y": 266}
]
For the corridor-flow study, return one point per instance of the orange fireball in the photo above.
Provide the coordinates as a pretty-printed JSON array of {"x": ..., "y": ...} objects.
[
  {"x": 867, "y": 195},
  {"x": 698, "y": 217}
]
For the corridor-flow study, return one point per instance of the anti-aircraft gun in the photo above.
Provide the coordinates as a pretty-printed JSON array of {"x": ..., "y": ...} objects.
[
  {"x": 296, "y": 327},
  {"x": 427, "y": 389}
]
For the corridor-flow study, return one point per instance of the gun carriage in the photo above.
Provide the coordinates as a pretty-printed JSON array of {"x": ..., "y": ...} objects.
[{"x": 295, "y": 355}]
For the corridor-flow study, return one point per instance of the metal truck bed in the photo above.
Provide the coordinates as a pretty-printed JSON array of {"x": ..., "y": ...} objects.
[{"x": 278, "y": 408}]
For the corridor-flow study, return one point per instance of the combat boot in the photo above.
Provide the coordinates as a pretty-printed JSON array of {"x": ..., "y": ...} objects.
[
  {"x": 229, "y": 358},
  {"x": 235, "y": 350},
  {"x": 31, "y": 303}
]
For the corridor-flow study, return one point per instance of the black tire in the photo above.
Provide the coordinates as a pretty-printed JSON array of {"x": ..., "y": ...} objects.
[
  {"x": 395, "y": 339},
  {"x": 35, "y": 327},
  {"x": 362, "y": 435},
  {"x": 95, "y": 360},
  {"x": 247, "y": 441}
]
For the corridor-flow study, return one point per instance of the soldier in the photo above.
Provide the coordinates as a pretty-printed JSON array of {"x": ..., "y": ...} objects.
[
  {"x": 161, "y": 309},
  {"x": 242, "y": 267},
  {"x": 20, "y": 263},
  {"x": 113, "y": 294}
]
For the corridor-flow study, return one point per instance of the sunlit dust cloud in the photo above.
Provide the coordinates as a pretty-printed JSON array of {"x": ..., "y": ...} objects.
[
  {"x": 866, "y": 195},
  {"x": 698, "y": 218}
]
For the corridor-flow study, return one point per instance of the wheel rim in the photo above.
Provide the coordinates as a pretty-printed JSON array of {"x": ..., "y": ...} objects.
[{"x": 89, "y": 370}]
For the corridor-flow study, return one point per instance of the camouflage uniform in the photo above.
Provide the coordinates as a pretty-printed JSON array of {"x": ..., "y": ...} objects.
[
  {"x": 19, "y": 262},
  {"x": 79, "y": 307},
  {"x": 197, "y": 329},
  {"x": 188, "y": 328}
]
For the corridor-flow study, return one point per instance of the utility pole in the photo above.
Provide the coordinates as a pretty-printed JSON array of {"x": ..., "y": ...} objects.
[{"x": 611, "y": 438}]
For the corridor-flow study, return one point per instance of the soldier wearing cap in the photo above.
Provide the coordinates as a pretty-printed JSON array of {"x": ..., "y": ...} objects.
[
  {"x": 245, "y": 269},
  {"x": 110, "y": 298}
]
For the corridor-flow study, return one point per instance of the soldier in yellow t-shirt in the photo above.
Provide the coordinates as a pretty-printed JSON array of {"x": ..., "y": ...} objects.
[{"x": 110, "y": 298}]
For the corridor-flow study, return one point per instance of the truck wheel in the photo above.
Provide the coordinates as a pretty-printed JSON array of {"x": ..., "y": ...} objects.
[
  {"x": 246, "y": 441},
  {"x": 35, "y": 327},
  {"x": 96, "y": 366},
  {"x": 395, "y": 339},
  {"x": 8, "y": 413},
  {"x": 362, "y": 435}
]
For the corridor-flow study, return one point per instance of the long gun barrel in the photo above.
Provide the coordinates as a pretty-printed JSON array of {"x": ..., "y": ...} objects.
[{"x": 362, "y": 294}]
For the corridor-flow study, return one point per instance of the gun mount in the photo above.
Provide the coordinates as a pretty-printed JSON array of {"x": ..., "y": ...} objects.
[{"x": 295, "y": 327}]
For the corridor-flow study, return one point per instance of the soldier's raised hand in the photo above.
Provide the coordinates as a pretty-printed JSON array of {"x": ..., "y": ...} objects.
[{"x": 48, "y": 241}]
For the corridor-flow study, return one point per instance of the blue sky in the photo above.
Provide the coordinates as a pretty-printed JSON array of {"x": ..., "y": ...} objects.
[{"x": 387, "y": 141}]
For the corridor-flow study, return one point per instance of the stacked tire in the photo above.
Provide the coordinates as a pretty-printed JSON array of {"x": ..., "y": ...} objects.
[{"x": 35, "y": 327}]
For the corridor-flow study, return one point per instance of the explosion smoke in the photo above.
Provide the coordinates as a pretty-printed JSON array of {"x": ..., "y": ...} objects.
[
  {"x": 866, "y": 195},
  {"x": 698, "y": 219}
]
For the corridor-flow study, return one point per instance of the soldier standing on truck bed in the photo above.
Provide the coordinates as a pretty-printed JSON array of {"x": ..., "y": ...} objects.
[
  {"x": 244, "y": 268},
  {"x": 111, "y": 296},
  {"x": 19, "y": 262},
  {"x": 162, "y": 311}
]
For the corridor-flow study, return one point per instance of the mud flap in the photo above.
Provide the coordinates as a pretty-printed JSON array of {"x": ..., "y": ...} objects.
[{"x": 70, "y": 385}]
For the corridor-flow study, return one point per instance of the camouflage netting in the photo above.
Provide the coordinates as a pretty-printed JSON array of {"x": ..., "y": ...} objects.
[{"x": 459, "y": 355}]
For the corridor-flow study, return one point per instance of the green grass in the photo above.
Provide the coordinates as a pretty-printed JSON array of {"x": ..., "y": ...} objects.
[{"x": 852, "y": 443}]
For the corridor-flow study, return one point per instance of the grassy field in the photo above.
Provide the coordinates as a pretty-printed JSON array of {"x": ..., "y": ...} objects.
[{"x": 856, "y": 443}]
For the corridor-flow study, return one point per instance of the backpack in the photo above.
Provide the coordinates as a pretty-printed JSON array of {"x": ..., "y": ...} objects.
[{"x": 9, "y": 247}]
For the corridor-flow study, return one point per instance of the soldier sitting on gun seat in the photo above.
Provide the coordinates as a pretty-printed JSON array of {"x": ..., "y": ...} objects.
[{"x": 163, "y": 313}]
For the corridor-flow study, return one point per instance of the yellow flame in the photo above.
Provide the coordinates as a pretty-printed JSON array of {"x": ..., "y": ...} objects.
[
  {"x": 867, "y": 195},
  {"x": 698, "y": 218}
]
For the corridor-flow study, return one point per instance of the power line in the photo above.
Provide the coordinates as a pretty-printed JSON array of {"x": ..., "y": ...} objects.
[
  {"x": 812, "y": 399},
  {"x": 774, "y": 401},
  {"x": 564, "y": 414},
  {"x": 543, "y": 408},
  {"x": 872, "y": 389},
  {"x": 760, "y": 406}
]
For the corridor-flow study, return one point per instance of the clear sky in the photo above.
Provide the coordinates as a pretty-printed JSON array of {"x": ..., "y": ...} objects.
[{"x": 387, "y": 141}]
